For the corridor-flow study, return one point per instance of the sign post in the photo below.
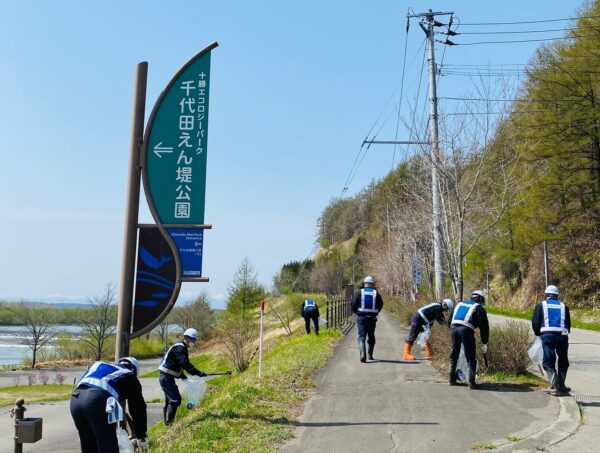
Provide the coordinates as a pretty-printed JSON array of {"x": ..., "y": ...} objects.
[
  {"x": 171, "y": 157},
  {"x": 260, "y": 342}
]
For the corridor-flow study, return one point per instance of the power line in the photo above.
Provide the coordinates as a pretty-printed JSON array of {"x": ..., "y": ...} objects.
[
  {"x": 516, "y": 41},
  {"x": 518, "y": 32},
  {"x": 508, "y": 100},
  {"x": 529, "y": 21}
]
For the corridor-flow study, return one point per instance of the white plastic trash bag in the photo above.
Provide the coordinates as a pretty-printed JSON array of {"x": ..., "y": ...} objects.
[
  {"x": 536, "y": 353},
  {"x": 194, "y": 388},
  {"x": 125, "y": 445},
  {"x": 462, "y": 367},
  {"x": 424, "y": 337}
]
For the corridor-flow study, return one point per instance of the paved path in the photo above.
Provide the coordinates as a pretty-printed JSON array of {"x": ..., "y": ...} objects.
[
  {"x": 393, "y": 406},
  {"x": 584, "y": 379},
  {"x": 59, "y": 433}
]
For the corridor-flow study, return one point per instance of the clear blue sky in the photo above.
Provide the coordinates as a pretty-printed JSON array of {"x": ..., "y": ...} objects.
[{"x": 296, "y": 86}]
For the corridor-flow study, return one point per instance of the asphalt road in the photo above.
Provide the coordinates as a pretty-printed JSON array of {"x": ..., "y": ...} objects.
[{"x": 389, "y": 405}]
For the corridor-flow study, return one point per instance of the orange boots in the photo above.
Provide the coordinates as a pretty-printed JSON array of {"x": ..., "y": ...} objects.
[
  {"x": 428, "y": 351},
  {"x": 407, "y": 355}
]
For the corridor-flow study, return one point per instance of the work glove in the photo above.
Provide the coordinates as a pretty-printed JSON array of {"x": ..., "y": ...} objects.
[
  {"x": 144, "y": 444},
  {"x": 484, "y": 348}
]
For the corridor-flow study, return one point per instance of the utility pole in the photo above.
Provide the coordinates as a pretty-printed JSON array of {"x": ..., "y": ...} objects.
[{"x": 428, "y": 23}]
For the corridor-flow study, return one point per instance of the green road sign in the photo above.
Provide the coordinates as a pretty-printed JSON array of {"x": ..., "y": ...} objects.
[{"x": 175, "y": 145}]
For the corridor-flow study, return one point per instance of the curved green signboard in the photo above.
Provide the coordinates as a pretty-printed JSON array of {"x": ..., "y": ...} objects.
[{"x": 175, "y": 145}]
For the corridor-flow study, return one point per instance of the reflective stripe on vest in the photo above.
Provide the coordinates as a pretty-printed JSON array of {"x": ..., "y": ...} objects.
[
  {"x": 163, "y": 365},
  {"x": 368, "y": 298},
  {"x": 463, "y": 314},
  {"x": 554, "y": 316},
  {"x": 310, "y": 304},
  {"x": 421, "y": 312},
  {"x": 104, "y": 376}
]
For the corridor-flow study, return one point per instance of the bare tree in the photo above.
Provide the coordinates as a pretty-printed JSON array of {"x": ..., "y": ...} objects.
[
  {"x": 239, "y": 334},
  {"x": 197, "y": 314},
  {"x": 100, "y": 324},
  {"x": 37, "y": 321}
]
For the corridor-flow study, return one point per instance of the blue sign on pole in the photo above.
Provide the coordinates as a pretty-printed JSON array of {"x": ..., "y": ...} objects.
[{"x": 189, "y": 243}]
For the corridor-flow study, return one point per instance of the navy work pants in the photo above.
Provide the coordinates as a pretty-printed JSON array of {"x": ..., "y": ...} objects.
[
  {"x": 555, "y": 344},
  {"x": 366, "y": 329},
  {"x": 88, "y": 409},
  {"x": 172, "y": 395},
  {"x": 463, "y": 335},
  {"x": 417, "y": 325},
  {"x": 311, "y": 316}
]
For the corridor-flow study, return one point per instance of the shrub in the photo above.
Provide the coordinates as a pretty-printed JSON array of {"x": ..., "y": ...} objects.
[
  {"x": 31, "y": 379},
  {"x": 239, "y": 335},
  {"x": 60, "y": 378},
  {"x": 17, "y": 379},
  {"x": 44, "y": 377}
]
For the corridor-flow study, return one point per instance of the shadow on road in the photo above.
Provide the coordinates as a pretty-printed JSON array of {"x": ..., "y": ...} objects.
[
  {"x": 395, "y": 361},
  {"x": 520, "y": 388}
]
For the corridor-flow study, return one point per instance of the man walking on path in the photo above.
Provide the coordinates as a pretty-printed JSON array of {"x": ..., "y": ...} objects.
[
  {"x": 466, "y": 317},
  {"x": 423, "y": 319},
  {"x": 176, "y": 360},
  {"x": 551, "y": 321},
  {"x": 366, "y": 303},
  {"x": 310, "y": 311}
]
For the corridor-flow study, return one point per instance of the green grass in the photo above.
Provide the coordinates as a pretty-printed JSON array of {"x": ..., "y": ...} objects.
[
  {"x": 515, "y": 438},
  {"x": 206, "y": 362},
  {"x": 524, "y": 379},
  {"x": 243, "y": 414},
  {"x": 483, "y": 446},
  {"x": 34, "y": 393},
  {"x": 527, "y": 315}
]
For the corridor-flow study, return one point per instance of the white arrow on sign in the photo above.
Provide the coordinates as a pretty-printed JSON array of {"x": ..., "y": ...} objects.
[
  {"x": 159, "y": 149},
  {"x": 196, "y": 244}
]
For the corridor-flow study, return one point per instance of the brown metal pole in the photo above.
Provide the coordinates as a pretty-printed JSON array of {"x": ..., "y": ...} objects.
[
  {"x": 18, "y": 413},
  {"x": 131, "y": 212}
]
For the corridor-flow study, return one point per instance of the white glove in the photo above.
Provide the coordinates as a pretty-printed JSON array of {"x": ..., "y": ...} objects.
[
  {"x": 484, "y": 348},
  {"x": 144, "y": 444}
]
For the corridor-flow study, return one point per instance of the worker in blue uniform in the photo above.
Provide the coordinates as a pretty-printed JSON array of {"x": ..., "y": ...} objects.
[
  {"x": 551, "y": 321},
  {"x": 465, "y": 318},
  {"x": 366, "y": 304},
  {"x": 95, "y": 405},
  {"x": 175, "y": 361},
  {"x": 424, "y": 319},
  {"x": 310, "y": 312}
]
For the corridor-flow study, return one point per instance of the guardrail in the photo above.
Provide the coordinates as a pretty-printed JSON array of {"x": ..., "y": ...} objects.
[
  {"x": 339, "y": 314},
  {"x": 11, "y": 366}
]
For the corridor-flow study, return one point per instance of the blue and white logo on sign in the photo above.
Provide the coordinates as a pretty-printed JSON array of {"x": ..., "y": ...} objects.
[{"x": 189, "y": 243}]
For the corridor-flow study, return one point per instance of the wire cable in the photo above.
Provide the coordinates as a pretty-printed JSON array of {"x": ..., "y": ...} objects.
[
  {"x": 519, "y": 40},
  {"x": 400, "y": 100},
  {"x": 529, "y": 21}
]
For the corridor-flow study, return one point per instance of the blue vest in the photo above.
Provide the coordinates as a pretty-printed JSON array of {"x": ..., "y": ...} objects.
[
  {"x": 309, "y": 305},
  {"x": 421, "y": 312},
  {"x": 463, "y": 314},
  {"x": 368, "y": 298},
  {"x": 104, "y": 376},
  {"x": 554, "y": 316},
  {"x": 163, "y": 365}
]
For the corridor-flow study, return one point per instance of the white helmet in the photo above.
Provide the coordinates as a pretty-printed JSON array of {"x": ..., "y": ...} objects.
[
  {"x": 191, "y": 333},
  {"x": 131, "y": 363},
  {"x": 480, "y": 294},
  {"x": 551, "y": 289},
  {"x": 449, "y": 303},
  {"x": 369, "y": 279}
]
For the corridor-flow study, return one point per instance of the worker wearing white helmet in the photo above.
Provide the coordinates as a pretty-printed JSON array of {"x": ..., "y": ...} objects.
[
  {"x": 424, "y": 319},
  {"x": 96, "y": 405},
  {"x": 366, "y": 304},
  {"x": 551, "y": 321},
  {"x": 173, "y": 365},
  {"x": 465, "y": 318}
]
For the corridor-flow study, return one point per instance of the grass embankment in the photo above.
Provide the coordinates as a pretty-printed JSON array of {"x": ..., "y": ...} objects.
[
  {"x": 34, "y": 393},
  {"x": 247, "y": 415},
  {"x": 576, "y": 316}
]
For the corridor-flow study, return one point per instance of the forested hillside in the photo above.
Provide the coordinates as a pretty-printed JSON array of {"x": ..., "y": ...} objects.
[{"x": 508, "y": 182}]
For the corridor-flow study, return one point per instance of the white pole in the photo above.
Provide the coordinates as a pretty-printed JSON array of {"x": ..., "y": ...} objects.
[{"x": 260, "y": 343}]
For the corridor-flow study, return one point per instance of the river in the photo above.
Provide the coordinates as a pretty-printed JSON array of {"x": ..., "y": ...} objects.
[{"x": 12, "y": 350}]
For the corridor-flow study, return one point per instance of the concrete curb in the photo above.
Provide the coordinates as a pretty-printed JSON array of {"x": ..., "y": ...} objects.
[{"x": 565, "y": 425}]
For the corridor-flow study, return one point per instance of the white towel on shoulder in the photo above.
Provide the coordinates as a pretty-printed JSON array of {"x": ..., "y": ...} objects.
[{"x": 114, "y": 410}]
